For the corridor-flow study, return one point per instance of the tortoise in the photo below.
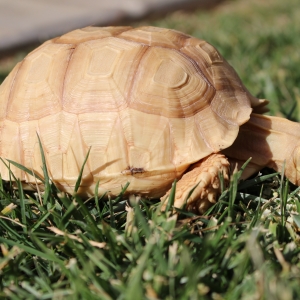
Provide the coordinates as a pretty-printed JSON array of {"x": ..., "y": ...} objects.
[{"x": 149, "y": 105}]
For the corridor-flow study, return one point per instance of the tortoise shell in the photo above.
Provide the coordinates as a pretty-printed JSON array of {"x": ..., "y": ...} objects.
[{"x": 147, "y": 102}]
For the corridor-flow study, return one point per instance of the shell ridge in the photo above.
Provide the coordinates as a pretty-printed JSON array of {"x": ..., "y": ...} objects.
[
  {"x": 222, "y": 117},
  {"x": 203, "y": 136},
  {"x": 197, "y": 67},
  {"x": 65, "y": 75},
  {"x": 132, "y": 83},
  {"x": 173, "y": 150},
  {"x": 85, "y": 150},
  {"x": 12, "y": 86}
]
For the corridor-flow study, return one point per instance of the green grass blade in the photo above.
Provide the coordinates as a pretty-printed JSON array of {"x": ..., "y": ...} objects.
[
  {"x": 22, "y": 206},
  {"x": 23, "y": 168},
  {"x": 171, "y": 197},
  {"x": 78, "y": 182}
]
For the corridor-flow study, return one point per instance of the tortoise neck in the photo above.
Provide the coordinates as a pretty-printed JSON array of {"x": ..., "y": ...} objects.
[{"x": 270, "y": 141}]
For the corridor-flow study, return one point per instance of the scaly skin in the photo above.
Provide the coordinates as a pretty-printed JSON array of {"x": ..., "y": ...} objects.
[
  {"x": 271, "y": 142},
  {"x": 205, "y": 176}
]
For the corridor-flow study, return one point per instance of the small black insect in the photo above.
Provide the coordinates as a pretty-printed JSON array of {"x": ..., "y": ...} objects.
[{"x": 132, "y": 170}]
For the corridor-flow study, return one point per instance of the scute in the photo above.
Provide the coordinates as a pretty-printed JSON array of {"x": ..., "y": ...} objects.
[
  {"x": 5, "y": 90},
  {"x": 39, "y": 69},
  {"x": 91, "y": 86},
  {"x": 232, "y": 101},
  {"x": 145, "y": 103},
  {"x": 9, "y": 148},
  {"x": 154, "y": 150},
  {"x": 169, "y": 84},
  {"x": 38, "y": 84},
  {"x": 170, "y": 75}
]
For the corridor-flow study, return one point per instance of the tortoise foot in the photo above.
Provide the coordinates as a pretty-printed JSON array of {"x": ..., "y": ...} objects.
[{"x": 204, "y": 177}]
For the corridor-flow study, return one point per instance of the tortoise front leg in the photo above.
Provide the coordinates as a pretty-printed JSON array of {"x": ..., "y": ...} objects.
[{"x": 204, "y": 177}]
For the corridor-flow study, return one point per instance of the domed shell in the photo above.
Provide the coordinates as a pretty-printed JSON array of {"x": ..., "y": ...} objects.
[{"x": 147, "y": 102}]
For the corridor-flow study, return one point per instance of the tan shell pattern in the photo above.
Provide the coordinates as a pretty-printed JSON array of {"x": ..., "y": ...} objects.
[{"x": 147, "y": 102}]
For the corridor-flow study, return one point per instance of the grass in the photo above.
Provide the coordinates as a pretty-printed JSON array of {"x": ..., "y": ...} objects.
[{"x": 58, "y": 246}]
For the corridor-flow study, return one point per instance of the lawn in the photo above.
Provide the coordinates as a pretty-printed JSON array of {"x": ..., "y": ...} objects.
[{"x": 57, "y": 246}]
